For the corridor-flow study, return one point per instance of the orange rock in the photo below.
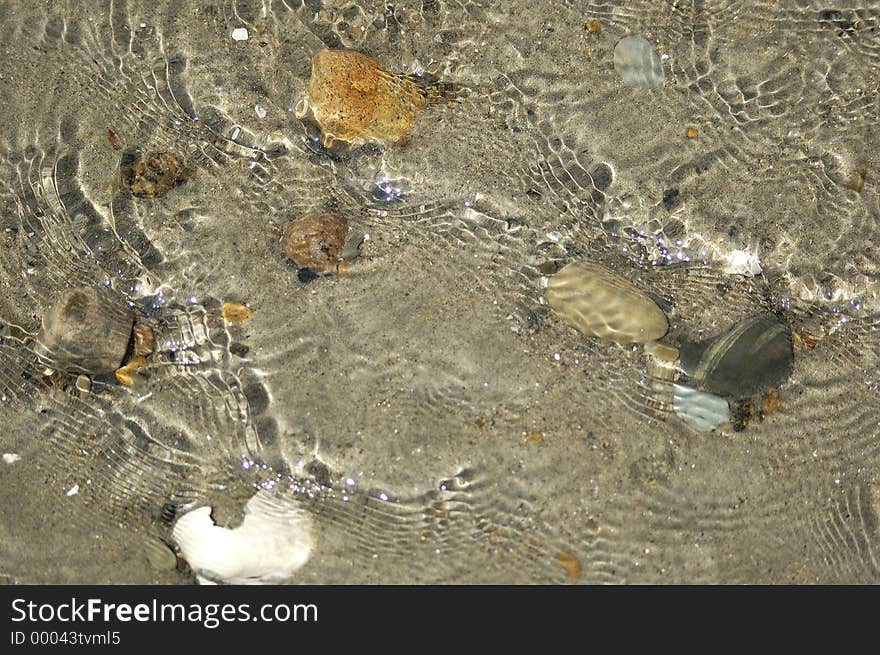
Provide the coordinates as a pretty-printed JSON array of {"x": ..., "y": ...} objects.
[
  {"x": 236, "y": 312},
  {"x": 125, "y": 375},
  {"x": 535, "y": 436},
  {"x": 570, "y": 563},
  {"x": 771, "y": 402},
  {"x": 316, "y": 241},
  {"x": 353, "y": 99}
]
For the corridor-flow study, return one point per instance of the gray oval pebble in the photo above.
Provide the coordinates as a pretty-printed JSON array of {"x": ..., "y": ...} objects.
[{"x": 636, "y": 61}]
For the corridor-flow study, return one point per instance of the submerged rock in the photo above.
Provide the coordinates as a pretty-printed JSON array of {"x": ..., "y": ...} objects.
[
  {"x": 702, "y": 411},
  {"x": 636, "y": 61},
  {"x": 752, "y": 356},
  {"x": 315, "y": 242},
  {"x": 153, "y": 174},
  {"x": 602, "y": 304},
  {"x": 85, "y": 332},
  {"x": 353, "y": 99}
]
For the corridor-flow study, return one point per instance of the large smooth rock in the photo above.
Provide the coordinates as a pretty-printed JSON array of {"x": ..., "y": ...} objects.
[
  {"x": 602, "y": 304},
  {"x": 752, "y": 356}
]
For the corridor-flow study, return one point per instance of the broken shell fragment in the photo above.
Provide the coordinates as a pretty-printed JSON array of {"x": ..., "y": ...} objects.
[
  {"x": 144, "y": 340},
  {"x": 273, "y": 541},
  {"x": 87, "y": 331},
  {"x": 702, "y": 411},
  {"x": 601, "y": 304},
  {"x": 752, "y": 356},
  {"x": 125, "y": 375},
  {"x": 315, "y": 242},
  {"x": 353, "y": 99},
  {"x": 636, "y": 61}
]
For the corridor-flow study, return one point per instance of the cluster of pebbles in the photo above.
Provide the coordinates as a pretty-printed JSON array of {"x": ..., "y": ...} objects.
[
  {"x": 95, "y": 334},
  {"x": 353, "y": 100},
  {"x": 713, "y": 381}
]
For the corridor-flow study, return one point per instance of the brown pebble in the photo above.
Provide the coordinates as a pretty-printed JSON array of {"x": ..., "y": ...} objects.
[
  {"x": 87, "y": 331},
  {"x": 692, "y": 133},
  {"x": 771, "y": 402},
  {"x": 154, "y": 174},
  {"x": 570, "y": 563},
  {"x": 808, "y": 339},
  {"x": 236, "y": 312},
  {"x": 114, "y": 139},
  {"x": 856, "y": 181},
  {"x": 593, "y": 26},
  {"x": 315, "y": 241},
  {"x": 534, "y": 435}
]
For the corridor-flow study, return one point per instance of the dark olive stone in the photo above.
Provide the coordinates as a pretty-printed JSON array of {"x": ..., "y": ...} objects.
[{"x": 752, "y": 356}]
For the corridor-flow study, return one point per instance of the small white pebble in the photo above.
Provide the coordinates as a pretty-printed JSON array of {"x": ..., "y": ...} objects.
[
  {"x": 11, "y": 458},
  {"x": 74, "y": 490},
  {"x": 239, "y": 34},
  {"x": 143, "y": 25},
  {"x": 261, "y": 113}
]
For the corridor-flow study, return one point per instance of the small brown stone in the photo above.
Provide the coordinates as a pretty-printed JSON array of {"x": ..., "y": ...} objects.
[
  {"x": 593, "y": 26},
  {"x": 154, "y": 174},
  {"x": 771, "y": 402},
  {"x": 570, "y": 563},
  {"x": 315, "y": 241},
  {"x": 692, "y": 133},
  {"x": 236, "y": 312},
  {"x": 113, "y": 138},
  {"x": 808, "y": 339}
]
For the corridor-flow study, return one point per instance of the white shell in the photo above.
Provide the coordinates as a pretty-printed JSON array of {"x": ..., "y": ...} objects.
[
  {"x": 273, "y": 541},
  {"x": 702, "y": 411},
  {"x": 601, "y": 304},
  {"x": 742, "y": 262}
]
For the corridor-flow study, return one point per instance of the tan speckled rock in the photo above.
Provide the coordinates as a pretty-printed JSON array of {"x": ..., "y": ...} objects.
[
  {"x": 601, "y": 304},
  {"x": 353, "y": 99}
]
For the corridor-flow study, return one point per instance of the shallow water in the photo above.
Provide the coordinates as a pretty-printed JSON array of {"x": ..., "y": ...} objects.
[{"x": 439, "y": 423}]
